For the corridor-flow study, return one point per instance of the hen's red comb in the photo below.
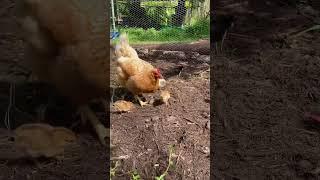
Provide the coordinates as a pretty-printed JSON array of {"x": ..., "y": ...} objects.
[{"x": 157, "y": 70}]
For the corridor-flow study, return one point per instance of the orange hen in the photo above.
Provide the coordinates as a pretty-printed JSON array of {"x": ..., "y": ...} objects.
[
  {"x": 69, "y": 48},
  {"x": 137, "y": 75}
]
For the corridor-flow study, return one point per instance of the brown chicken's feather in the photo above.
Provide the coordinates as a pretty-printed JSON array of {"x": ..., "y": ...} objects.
[
  {"x": 123, "y": 49},
  {"x": 137, "y": 75},
  {"x": 142, "y": 83}
]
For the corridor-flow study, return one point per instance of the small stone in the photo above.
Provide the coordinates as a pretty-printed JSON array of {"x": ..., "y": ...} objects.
[
  {"x": 174, "y": 55},
  {"x": 194, "y": 55},
  {"x": 142, "y": 52},
  {"x": 205, "y": 150},
  {"x": 205, "y": 114},
  {"x": 155, "y": 118},
  {"x": 171, "y": 118},
  {"x": 155, "y": 53},
  {"x": 204, "y": 58}
]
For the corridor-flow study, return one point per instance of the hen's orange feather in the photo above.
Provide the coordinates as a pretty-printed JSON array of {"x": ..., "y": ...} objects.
[{"x": 137, "y": 75}]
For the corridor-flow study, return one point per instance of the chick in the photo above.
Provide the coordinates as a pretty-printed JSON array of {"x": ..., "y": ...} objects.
[
  {"x": 122, "y": 106},
  {"x": 36, "y": 140},
  {"x": 165, "y": 96}
]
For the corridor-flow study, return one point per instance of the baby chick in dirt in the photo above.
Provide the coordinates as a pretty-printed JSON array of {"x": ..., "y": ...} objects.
[
  {"x": 165, "y": 96},
  {"x": 122, "y": 106},
  {"x": 38, "y": 140},
  {"x": 160, "y": 98}
]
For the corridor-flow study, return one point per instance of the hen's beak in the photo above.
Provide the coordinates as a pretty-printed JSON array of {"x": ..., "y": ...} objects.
[{"x": 162, "y": 83}]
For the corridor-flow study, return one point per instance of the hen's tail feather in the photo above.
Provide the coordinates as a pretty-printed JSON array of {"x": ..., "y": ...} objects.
[
  {"x": 122, "y": 59},
  {"x": 124, "y": 49},
  {"x": 124, "y": 39}
]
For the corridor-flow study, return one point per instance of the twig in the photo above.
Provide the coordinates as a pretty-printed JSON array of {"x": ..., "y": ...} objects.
[
  {"x": 120, "y": 158},
  {"x": 189, "y": 120},
  {"x": 155, "y": 138},
  {"x": 305, "y": 131},
  {"x": 11, "y": 104},
  {"x": 315, "y": 27},
  {"x": 178, "y": 158},
  {"x": 112, "y": 95},
  {"x": 180, "y": 72},
  {"x": 241, "y": 35}
]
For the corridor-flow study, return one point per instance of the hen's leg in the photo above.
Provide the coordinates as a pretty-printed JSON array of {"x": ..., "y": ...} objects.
[
  {"x": 112, "y": 96},
  {"x": 101, "y": 131},
  {"x": 142, "y": 103}
]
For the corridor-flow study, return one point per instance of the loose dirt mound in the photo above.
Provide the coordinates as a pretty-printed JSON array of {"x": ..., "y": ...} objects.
[{"x": 201, "y": 47}]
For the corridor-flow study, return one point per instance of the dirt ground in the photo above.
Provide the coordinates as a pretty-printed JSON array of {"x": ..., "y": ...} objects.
[{"x": 262, "y": 85}]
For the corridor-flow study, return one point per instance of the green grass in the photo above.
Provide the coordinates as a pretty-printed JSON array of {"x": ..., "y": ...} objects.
[
  {"x": 160, "y": 3},
  {"x": 172, "y": 4},
  {"x": 198, "y": 29},
  {"x": 113, "y": 170}
]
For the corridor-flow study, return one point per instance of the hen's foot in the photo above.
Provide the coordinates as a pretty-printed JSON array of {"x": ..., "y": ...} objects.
[
  {"x": 142, "y": 103},
  {"x": 99, "y": 128}
]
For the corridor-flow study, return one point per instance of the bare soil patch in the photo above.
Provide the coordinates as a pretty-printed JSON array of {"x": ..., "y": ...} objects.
[{"x": 263, "y": 84}]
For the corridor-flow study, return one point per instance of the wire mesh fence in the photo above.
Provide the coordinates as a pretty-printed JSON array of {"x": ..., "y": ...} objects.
[{"x": 159, "y": 21}]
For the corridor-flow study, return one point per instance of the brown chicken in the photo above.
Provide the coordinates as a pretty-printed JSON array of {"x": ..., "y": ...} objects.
[
  {"x": 137, "y": 75},
  {"x": 69, "y": 48}
]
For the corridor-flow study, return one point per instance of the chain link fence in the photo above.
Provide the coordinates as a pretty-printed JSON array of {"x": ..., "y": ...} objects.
[{"x": 150, "y": 21}]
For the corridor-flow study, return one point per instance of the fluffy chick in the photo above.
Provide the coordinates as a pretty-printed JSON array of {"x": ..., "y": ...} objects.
[{"x": 39, "y": 139}]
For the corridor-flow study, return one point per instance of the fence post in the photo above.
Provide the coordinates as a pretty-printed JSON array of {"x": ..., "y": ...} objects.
[{"x": 113, "y": 17}]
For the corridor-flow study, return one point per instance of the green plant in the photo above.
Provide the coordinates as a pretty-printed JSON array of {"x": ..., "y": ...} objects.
[
  {"x": 113, "y": 170},
  {"x": 199, "y": 27},
  {"x": 135, "y": 176},
  {"x": 170, "y": 163}
]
